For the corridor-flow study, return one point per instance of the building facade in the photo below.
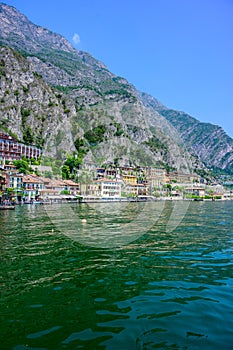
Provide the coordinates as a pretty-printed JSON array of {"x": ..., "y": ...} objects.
[
  {"x": 109, "y": 188},
  {"x": 11, "y": 149}
]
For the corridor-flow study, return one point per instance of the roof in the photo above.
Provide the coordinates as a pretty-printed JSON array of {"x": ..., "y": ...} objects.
[
  {"x": 109, "y": 180},
  {"x": 52, "y": 182},
  {"x": 126, "y": 175},
  {"x": 70, "y": 182},
  {"x": 135, "y": 185},
  {"x": 32, "y": 178},
  {"x": 56, "y": 183}
]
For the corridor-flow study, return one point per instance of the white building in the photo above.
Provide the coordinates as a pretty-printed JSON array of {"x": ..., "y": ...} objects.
[{"x": 109, "y": 188}]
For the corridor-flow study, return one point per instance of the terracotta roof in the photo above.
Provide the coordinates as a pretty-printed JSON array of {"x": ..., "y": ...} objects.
[
  {"x": 70, "y": 182},
  {"x": 52, "y": 182},
  {"x": 32, "y": 179},
  {"x": 56, "y": 183}
]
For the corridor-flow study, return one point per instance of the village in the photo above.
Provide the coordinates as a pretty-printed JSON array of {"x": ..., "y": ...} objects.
[{"x": 109, "y": 183}]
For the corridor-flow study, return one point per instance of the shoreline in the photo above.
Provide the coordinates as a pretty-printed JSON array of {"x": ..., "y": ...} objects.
[{"x": 114, "y": 200}]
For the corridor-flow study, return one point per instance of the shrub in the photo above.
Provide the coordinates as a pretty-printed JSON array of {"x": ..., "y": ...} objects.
[{"x": 96, "y": 135}]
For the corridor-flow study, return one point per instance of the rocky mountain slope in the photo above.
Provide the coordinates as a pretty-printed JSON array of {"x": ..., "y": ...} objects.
[
  {"x": 210, "y": 142},
  {"x": 115, "y": 130},
  {"x": 30, "y": 109},
  {"x": 66, "y": 100}
]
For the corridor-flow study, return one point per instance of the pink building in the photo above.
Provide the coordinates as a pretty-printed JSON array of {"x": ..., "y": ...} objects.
[{"x": 11, "y": 149}]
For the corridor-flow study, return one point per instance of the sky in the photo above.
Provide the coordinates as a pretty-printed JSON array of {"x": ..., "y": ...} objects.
[{"x": 179, "y": 51}]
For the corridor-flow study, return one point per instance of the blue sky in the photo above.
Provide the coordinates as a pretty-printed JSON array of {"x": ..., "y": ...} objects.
[{"x": 179, "y": 51}]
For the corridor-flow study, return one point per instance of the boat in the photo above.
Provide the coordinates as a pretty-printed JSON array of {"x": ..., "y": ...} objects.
[{"x": 7, "y": 207}]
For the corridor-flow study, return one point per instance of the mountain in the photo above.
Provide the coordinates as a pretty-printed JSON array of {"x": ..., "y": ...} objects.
[
  {"x": 65, "y": 100},
  {"x": 209, "y": 142}
]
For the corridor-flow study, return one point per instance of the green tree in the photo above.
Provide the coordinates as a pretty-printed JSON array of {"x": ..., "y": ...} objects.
[
  {"x": 65, "y": 192},
  {"x": 65, "y": 170},
  {"x": 73, "y": 162},
  {"x": 48, "y": 174},
  {"x": 23, "y": 166},
  {"x": 96, "y": 135},
  {"x": 10, "y": 191},
  {"x": 28, "y": 136}
]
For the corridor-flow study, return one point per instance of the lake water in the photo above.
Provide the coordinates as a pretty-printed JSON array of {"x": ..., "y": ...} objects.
[{"x": 133, "y": 276}]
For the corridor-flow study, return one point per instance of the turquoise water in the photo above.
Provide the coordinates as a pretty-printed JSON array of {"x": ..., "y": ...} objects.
[{"x": 151, "y": 286}]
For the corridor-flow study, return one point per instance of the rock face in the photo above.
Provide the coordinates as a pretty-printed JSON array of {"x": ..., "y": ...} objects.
[
  {"x": 209, "y": 142},
  {"x": 26, "y": 36},
  {"x": 61, "y": 98},
  {"x": 38, "y": 113},
  {"x": 30, "y": 109}
]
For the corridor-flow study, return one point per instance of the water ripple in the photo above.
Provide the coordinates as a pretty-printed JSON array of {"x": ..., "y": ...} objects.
[{"x": 164, "y": 290}]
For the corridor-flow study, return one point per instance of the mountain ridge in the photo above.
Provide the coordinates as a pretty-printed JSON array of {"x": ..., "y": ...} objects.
[
  {"x": 209, "y": 141},
  {"x": 92, "y": 95}
]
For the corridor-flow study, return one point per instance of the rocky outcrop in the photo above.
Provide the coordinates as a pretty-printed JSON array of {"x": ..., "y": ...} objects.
[
  {"x": 25, "y": 36},
  {"x": 30, "y": 109}
]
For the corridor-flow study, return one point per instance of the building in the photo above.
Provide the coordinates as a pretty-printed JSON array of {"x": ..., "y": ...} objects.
[
  {"x": 16, "y": 181},
  {"x": 135, "y": 190},
  {"x": 155, "y": 177},
  {"x": 107, "y": 173},
  {"x": 57, "y": 186},
  {"x": 196, "y": 191},
  {"x": 10, "y": 168},
  {"x": 108, "y": 188},
  {"x": 11, "y": 149},
  {"x": 2, "y": 181},
  {"x": 129, "y": 179},
  {"x": 182, "y": 178},
  {"x": 72, "y": 187},
  {"x": 32, "y": 185}
]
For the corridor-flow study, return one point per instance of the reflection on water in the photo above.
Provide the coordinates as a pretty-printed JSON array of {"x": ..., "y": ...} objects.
[{"x": 62, "y": 288}]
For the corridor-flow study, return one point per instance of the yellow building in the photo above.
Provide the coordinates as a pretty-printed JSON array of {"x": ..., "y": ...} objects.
[{"x": 129, "y": 179}]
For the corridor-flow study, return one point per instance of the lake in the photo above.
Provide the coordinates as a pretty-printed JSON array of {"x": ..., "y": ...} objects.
[{"x": 122, "y": 276}]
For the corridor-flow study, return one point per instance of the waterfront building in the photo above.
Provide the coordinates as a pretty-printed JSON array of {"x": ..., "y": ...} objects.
[
  {"x": 16, "y": 181},
  {"x": 58, "y": 189},
  {"x": 108, "y": 188},
  {"x": 57, "y": 186},
  {"x": 32, "y": 185},
  {"x": 2, "y": 181},
  {"x": 182, "y": 178},
  {"x": 72, "y": 187},
  {"x": 135, "y": 190},
  {"x": 156, "y": 177},
  {"x": 11, "y": 149},
  {"x": 129, "y": 179},
  {"x": 197, "y": 191}
]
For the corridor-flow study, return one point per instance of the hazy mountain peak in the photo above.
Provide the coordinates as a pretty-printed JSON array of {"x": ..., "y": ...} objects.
[{"x": 24, "y": 35}]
